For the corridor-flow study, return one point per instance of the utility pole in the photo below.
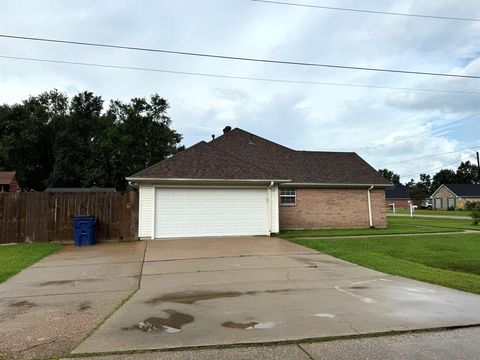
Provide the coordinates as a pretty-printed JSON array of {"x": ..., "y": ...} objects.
[{"x": 478, "y": 166}]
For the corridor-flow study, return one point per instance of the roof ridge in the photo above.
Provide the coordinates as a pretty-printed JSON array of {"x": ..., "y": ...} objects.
[{"x": 251, "y": 134}]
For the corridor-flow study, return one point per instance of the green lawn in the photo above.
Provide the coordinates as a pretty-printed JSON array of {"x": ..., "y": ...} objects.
[
  {"x": 433, "y": 212},
  {"x": 393, "y": 228},
  {"x": 396, "y": 225},
  {"x": 15, "y": 258},
  {"x": 451, "y": 260},
  {"x": 440, "y": 222}
]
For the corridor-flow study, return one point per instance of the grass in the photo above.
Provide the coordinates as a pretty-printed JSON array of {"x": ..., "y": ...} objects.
[
  {"x": 440, "y": 222},
  {"x": 396, "y": 225},
  {"x": 15, "y": 258},
  {"x": 433, "y": 212},
  {"x": 451, "y": 260},
  {"x": 393, "y": 228}
]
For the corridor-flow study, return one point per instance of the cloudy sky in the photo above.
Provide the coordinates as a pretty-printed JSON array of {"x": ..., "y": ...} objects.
[{"x": 385, "y": 126}]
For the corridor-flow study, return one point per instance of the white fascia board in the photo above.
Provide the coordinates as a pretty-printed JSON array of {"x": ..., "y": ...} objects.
[{"x": 162, "y": 180}]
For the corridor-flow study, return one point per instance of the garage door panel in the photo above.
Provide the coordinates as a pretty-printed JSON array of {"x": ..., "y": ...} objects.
[{"x": 204, "y": 212}]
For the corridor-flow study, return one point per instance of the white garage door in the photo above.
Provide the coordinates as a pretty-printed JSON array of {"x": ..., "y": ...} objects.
[{"x": 185, "y": 212}]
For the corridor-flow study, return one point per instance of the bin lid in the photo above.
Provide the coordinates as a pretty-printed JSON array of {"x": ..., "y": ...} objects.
[{"x": 84, "y": 217}]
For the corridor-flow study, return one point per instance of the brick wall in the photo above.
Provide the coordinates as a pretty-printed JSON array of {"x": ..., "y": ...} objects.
[
  {"x": 443, "y": 194},
  {"x": 399, "y": 203},
  {"x": 333, "y": 208}
]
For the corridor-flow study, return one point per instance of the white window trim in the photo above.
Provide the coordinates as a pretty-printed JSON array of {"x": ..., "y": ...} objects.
[{"x": 282, "y": 196}]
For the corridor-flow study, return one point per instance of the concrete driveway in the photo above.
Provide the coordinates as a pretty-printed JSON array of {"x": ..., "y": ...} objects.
[
  {"x": 216, "y": 291},
  {"x": 49, "y": 307}
]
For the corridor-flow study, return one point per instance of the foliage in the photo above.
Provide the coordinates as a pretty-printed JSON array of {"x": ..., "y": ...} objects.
[
  {"x": 467, "y": 173},
  {"x": 15, "y": 258},
  {"x": 51, "y": 140},
  {"x": 476, "y": 214},
  {"x": 390, "y": 176},
  {"x": 422, "y": 189}
]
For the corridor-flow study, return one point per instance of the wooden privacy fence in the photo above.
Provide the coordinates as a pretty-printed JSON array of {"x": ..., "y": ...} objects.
[{"x": 41, "y": 217}]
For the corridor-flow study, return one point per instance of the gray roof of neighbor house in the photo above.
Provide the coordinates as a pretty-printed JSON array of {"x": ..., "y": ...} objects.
[
  {"x": 238, "y": 154},
  {"x": 466, "y": 190},
  {"x": 6, "y": 177},
  {"x": 397, "y": 191},
  {"x": 90, "y": 189}
]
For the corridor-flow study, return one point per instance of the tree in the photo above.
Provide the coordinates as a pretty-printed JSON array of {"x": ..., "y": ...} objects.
[
  {"x": 53, "y": 141},
  {"x": 444, "y": 176},
  {"x": 390, "y": 176},
  {"x": 422, "y": 189},
  {"x": 467, "y": 173}
]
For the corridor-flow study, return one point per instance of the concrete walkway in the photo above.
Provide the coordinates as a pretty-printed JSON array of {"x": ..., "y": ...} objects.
[
  {"x": 433, "y": 216},
  {"x": 49, "y": 307},
  {"x": 256, "y": 290}
]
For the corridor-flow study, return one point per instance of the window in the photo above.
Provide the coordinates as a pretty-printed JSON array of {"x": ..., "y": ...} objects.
[
  {"x": 287, "y": 196},
  {"x": 451, "y": 203},
  {"x": 438, "y": 203}
]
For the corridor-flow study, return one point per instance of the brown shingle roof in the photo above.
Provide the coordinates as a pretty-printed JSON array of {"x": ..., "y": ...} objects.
[
  {"x": 6, "y": 177},
  {"x": 239, "y": 154}
]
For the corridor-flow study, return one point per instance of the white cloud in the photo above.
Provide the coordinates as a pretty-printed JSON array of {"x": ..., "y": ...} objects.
[{"x": 372, "y": 122}]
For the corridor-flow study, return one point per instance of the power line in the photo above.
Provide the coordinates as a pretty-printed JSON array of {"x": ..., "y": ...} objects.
[
  {"x": 437, "y": 168},
  {"x": 430, "y": 156},
  {"x": 403, "y": 118},
  {"x": 436, "y": 128},
  {"x": 239, "y": 58},
  {"x": 212, "y": 75},
  {"x": 367, "y": 11}
]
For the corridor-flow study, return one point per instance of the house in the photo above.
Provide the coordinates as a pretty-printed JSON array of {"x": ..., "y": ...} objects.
[
  {"x": 399, "y": 195},
  {"x": 9, "y": 181},
  {"x": 455, "y": 196},
  {"x": 242, "y": 184}
]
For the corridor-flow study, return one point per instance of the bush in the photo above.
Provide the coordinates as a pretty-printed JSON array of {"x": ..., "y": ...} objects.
[
  {"x": 476, "y": 214},
  {"x": 469, "y": 205}
]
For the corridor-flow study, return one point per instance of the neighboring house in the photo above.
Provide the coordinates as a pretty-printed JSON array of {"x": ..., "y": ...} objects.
[
  {"x": 242, "y": 184},
  {"x": 455, "y": 196},
  {"x": 399, "y": 195},
  {"x": 82, "y": 190},
  {"x": 9, "y": 181}
]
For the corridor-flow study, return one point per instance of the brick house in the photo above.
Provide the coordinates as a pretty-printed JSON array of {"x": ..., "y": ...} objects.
[
  {"x": 9, "y": 181},
  {"x": 399, "y": 195},
  {"x": 242, "y": 184},
  {"x": 456, "y": 196}
]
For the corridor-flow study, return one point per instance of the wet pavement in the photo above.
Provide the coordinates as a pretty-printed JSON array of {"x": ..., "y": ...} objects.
[
  {"x": 257, "y": 289},
  {"x": 49, "y": 307},
  {"x": 439, "y": 345}
]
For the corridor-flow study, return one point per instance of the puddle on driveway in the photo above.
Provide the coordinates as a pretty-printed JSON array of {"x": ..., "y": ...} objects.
[
  {"x": 23, "y": 303},
  {"x": 171, "y": 324},
  {"x": 84, "y": 306},
  {"x": 191, "y": 297},
  {"x": 248, "y": 326},
  {"x": 64, "y": 282}
]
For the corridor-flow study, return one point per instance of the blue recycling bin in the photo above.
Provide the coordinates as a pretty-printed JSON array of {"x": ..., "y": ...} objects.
[{"x": 84, "y": 230}]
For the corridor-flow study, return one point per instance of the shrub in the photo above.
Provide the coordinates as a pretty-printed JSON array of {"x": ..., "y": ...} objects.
[{"x": 476, "y": 214}]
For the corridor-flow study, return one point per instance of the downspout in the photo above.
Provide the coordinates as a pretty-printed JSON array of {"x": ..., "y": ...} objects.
[
  {"x": 370, "y": 220},
  {"x": 270, "y": 207}
]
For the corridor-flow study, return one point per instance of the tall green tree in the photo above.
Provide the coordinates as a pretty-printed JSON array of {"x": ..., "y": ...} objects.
[
  {"x": 444, "y": 176},
  {"x": 467, "y": 173},
  {"x": 390, "y": 176},
  {"x": 53, "y": 141}
]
